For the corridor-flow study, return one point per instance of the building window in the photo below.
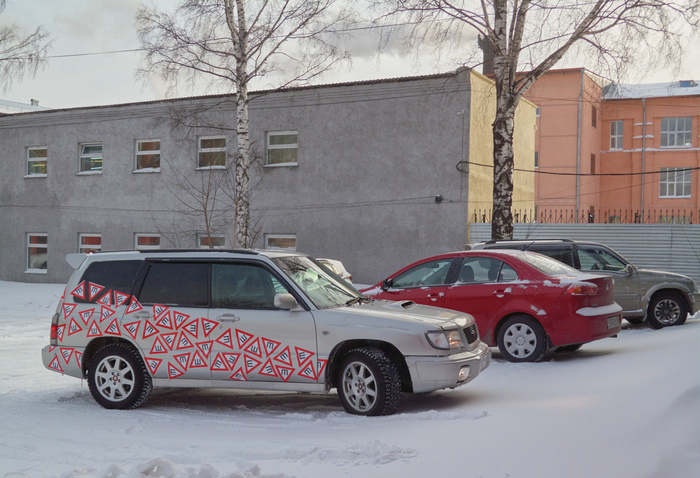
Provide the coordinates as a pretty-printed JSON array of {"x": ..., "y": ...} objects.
[
  {"x": 537, "y": 112},
  {"x": 281, "y": 241},
  {"x": 147, "y": 241},
  {"x": 616, "y": 128},
  {"x": 674, "y": 183},
  {"x": 91, "y": 157},
  {"x": 282, "y": 147},
  {"x": 37, "y": 252},
  {"x": 592, "y": 163},
  {"x": 89, "y": 243},
  {"x": 594, "y": 117},
  {"x": 213, "y": 241},
  {"x": 537, "y": 159},
  {"x": 36, "y": 161},
  {"x": 676, "y": 132},
  {"x": 148, "y": 155},
  {"x": 212, "y": 151}
]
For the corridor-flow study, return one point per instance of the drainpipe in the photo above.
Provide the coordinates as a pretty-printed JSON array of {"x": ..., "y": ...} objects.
[
  {"x": 644, "y": 143},
  {"x": 578, "y": 145}
]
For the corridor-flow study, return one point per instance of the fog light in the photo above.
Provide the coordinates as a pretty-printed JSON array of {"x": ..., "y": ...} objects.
[{"x": 463, "y": 373}]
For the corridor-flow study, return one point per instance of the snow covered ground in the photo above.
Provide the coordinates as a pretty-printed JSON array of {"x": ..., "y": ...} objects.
[{"x": 624, "y": 407}]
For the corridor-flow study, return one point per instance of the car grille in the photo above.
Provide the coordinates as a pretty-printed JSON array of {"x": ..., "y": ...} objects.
[{"x": 471, "y": 333}]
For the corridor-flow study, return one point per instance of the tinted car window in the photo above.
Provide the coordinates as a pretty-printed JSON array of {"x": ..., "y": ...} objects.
[
  {"x": 176, "y": 283},
  {"x": 562, "y": 255},
  {"x": 479, "y": 269},
  {"x": 508, "y": 274},
  {"x": 243, "y": 286},
  {"x": 428, "y": 273},
  {"x": 112, "y": 275},
  {"x": 547, "y": 265},
  {"x": 598, "y": 259}
]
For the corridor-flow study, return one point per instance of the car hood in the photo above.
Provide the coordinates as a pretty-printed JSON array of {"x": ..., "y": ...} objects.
[
  {"x": 665, "y": 276},
  {"x": 385, "y": 313}
]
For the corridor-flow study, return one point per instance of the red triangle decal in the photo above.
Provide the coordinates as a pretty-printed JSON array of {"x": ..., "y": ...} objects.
[
  {"x": 268, "y": 369},
  {"x": 134, "y": 306},
  {"x": 242, "y": 338},
  {"x": 169, "y": 339},
  {"x": 79, "y": 358},
  {"x": 55, "y": 365},
  {"x": 219, "y": 364},
  {"x": 285, "y": 356},
  {"x": 94, "y": 330},
  {"x": 106, "y": 299},
  {"x": 225, "y": 339},
  {"x": 179, "y": 318},
  {"x": 120, "y": 298},
  {"x": 113, "y": 328},
  {"x": 254, "y": 348},
  {"x": 192, "y": 328},
  {"x": 66, "y": 353},
  {"x": 106, "y": 313},
  {"x": 59, "y": 332},
  {"x": 208, "y": 326},
  {"x": 153, "y": 364},
  {"x": 73, "y": 327},
  {"x": 205, "y": 347},
  {"x": 94, "y": 290},
  {"x": 302, "y": 354},
  {"x": 159, "y": 347},
  {"x": 86, "y": 314},
  {"x": 165, "y": 321},
  {"x": 250, "y": 363},
  {"x": 132, "y": 328},
  {"x": 307, "y": 371},
  {"x": 231, "y": 359},
  {"x": 198, "y": 361},
  {"x": 183, "y": 360},
  {"x": 284, "y": 372},
  {"x": 173, "y": 371},
  {"x": 270, "y": 346},
  {"x": 79, "y": 291},
  {"x": 184, "y": 342},
  {"x": 238, "y": 375},
  {"x": 68, "y": 309},
  {"x": 149, "y": 330}
]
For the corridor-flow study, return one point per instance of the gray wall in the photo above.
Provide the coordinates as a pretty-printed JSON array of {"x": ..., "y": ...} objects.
[
  {"x": 372, "y": 158},
  {"x": 666, "y": 247}
]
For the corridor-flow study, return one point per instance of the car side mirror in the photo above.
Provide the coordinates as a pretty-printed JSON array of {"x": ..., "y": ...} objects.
[
  {"x": 629, "y": 269},
  {"x": 387, "y": 284},
  {"x": 285, "y": 301}
]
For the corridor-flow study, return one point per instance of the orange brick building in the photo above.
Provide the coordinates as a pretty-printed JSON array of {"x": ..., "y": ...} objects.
[{"x": 616, "y": 152}]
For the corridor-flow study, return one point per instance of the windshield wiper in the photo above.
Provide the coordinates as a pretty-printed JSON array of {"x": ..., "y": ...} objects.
[{"x": 356, "y": 300}]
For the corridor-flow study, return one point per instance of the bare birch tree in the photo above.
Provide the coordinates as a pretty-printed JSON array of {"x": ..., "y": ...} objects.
[
  {"x": 535, "y": 35},
  {"x": 21, "y": 53},
  {"x": 232, "y": 42}
]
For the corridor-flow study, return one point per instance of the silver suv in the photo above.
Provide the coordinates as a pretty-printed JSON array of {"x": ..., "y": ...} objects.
[
  {"x": 660, "y": 298},
  {"x": 261, "y": 320}
]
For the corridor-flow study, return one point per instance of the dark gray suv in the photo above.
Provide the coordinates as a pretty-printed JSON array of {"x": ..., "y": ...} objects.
[{"x": 660, "y": 298}]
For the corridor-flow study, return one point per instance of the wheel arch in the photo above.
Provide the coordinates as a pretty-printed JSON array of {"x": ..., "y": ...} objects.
[
  {"x": 99, "y": 342},
  {"x": 682, "y": 293},
  {"x": 339, "y": 351}
]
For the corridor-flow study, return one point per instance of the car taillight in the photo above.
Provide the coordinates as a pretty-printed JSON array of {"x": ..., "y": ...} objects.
[
  {"x": 54, "y": 330},
  {"x": 581, "y": 288}
]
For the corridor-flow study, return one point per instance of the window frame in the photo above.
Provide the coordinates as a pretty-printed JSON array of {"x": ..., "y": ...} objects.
[
  {"x": 276, "y": 147},
  {"x": 92, "y": 246},
  {"x": 44, "y": 160},
  {"x": 150, "y": 152},
  {"x": 203, "y": 235},
  {"x": 201, "y": 151},
  {"x": 139, "y": 235},
  {"x": 667, "y": 134},
  {"x": 616, "y": 136},
  {"x": 30, "y": 245},
  {"x": 283, "y": 237},
  {"x": 82, "y": 155},
  {"x": 676, "y": 184}
]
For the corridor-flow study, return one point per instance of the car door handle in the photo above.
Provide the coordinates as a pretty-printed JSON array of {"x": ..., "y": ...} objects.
[
  {"x": 228, "y": 318},
  {"x": 143, "y": 315},
  {"x": 502, "y": 292}
]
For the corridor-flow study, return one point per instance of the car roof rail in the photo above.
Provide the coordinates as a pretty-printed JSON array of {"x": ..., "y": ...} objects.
[
  {"x": 200, "y": 251},
  {"x": 496, "y": 241}
]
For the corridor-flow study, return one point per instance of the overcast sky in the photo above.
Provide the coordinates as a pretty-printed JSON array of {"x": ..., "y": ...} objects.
[{"x": 101, "y": 26}]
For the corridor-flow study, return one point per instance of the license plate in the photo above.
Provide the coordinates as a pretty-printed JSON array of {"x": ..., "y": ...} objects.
[{"x": 614, "y": 322}]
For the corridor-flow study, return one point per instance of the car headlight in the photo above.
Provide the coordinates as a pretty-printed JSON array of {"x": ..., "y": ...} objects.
[{"x": 445, "y": 339}]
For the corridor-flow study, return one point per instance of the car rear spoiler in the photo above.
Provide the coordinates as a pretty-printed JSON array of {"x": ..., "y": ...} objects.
[{"x": 75, "y": 259}]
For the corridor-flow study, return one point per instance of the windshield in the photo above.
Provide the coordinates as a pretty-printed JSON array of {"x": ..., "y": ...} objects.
[
  {"x": 324, "y": 289},
  {"x": 545, "y": 264}
]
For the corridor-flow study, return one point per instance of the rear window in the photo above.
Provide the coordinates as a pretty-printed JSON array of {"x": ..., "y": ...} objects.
[
  {"x": 562, "y": 255},
  {"x": 112, "y": 275},
  {"x": 547, "y": 265},
  {"x": 183, "y": 284}
]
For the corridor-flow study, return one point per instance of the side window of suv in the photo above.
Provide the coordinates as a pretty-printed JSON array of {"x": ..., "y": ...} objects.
[
  {"x": 176, "y": 283},
  {"x": 560, "y": 254},
  {"x": 598, "y": 259},
  {"x": 111, "y": 275},
  {"x": 243, "y": 286}
]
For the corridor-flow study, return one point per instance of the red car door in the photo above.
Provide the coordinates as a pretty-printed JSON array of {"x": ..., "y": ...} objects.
[
  {"x": 423, "y": 283},
  {"x": 482, "y": 289}
]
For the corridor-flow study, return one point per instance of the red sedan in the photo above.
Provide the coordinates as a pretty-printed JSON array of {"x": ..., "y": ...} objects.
[{"x": 526, "y": 303}]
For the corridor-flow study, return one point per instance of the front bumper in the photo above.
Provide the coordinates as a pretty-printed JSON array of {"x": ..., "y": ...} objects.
[
  {"x": 694, "y": 303},
  {"x": 435, "y": 373}
]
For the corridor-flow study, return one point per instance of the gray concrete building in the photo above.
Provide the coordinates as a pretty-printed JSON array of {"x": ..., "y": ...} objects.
[{"x": 374, "y": 174}]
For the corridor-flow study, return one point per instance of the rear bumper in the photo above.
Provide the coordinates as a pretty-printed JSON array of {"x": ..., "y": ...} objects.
[
  {"x": 65, "y": 360},
  {"x": 435, "y": 373},
  {"x": 694, "y": 303},
  {"x": 589, "y": 324}
]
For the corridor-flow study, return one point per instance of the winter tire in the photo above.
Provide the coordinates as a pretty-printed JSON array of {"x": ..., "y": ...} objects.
[
  {"x": 118, "y": 378},
  {"x": 635, "y": 320},
  {"x": 522, "y": 339},
  {"x": 666, "y": 309},
  {"x": 368, "y": 382}
]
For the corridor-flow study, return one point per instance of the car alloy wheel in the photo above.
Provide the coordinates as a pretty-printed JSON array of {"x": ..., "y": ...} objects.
[
  {"x": 522, "y": 339},
  {"x": 368, "y": 382},
  {"x": 117, "y": 377},
  {"x": 667, "y": 309}
]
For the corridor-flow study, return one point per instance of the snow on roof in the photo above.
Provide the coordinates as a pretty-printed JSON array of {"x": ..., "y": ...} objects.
[
  {"x": 7, "y": 106},
  {"x": 652, "y": 90}
]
